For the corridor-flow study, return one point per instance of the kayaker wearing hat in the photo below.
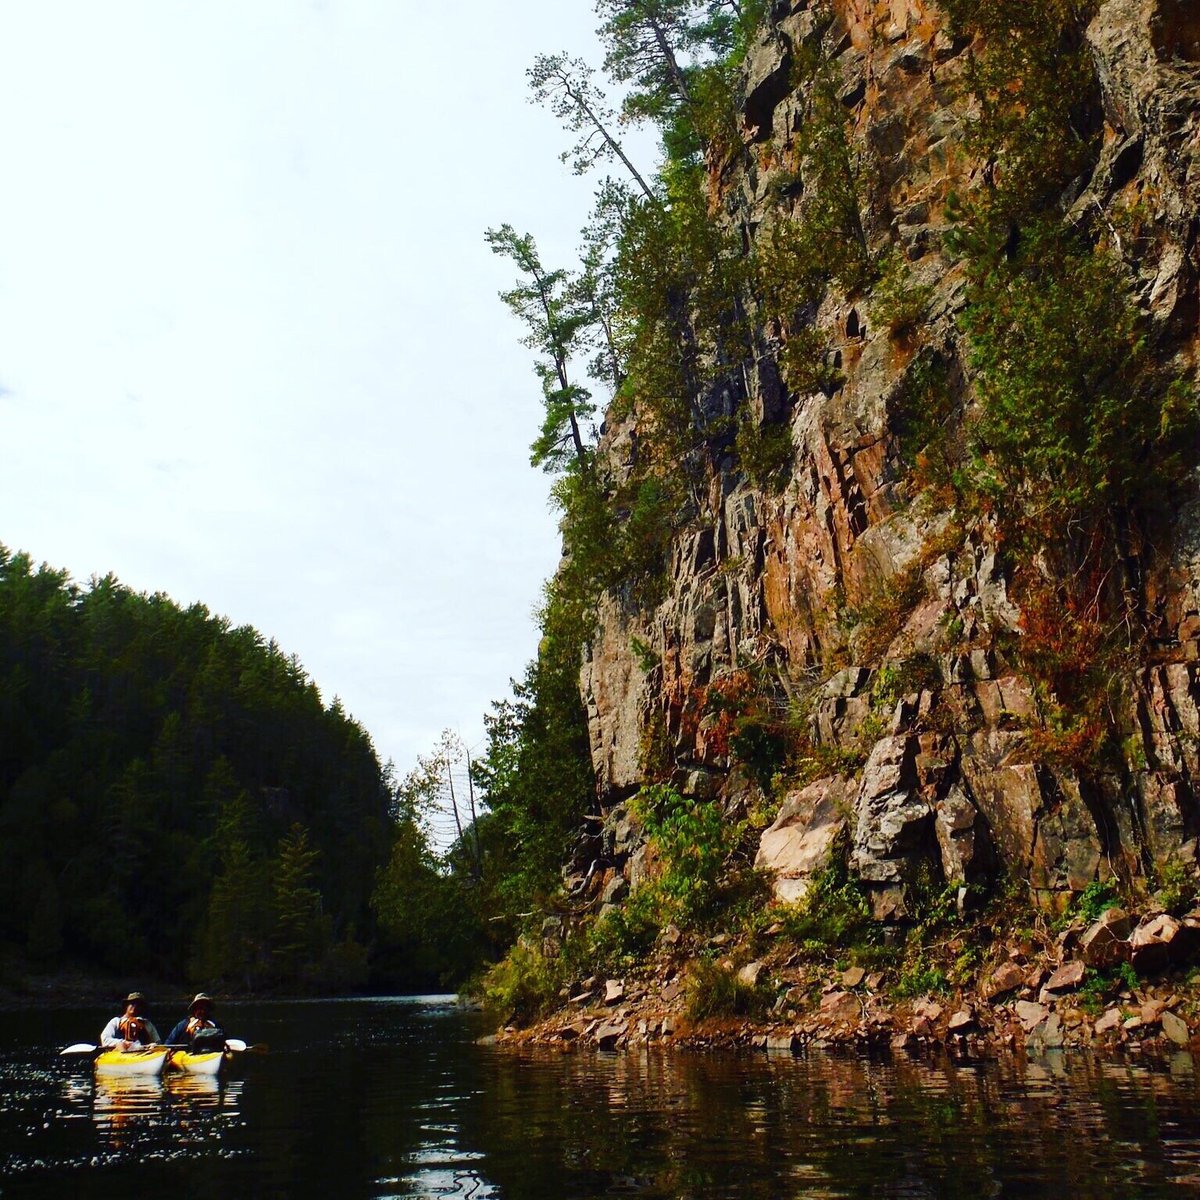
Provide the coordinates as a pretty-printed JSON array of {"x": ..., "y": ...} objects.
[
  {"x": 132, "y": 1029},
  {"x": 198, "y": 1027}
]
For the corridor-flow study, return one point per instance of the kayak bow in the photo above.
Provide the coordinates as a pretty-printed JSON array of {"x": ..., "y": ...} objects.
[
  {"x": 208, "y": 1063},
  {"x": 131, "y": 1062}
]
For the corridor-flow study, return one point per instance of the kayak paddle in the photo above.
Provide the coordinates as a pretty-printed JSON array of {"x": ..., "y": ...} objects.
[{"x": 235, "y": 1044}]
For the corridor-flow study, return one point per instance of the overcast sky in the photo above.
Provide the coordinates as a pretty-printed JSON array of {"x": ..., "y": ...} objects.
[{"x": 251, "y": 352}]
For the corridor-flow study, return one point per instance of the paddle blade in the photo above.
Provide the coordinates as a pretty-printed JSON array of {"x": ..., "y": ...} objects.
[
  {"x": 80, "y": 1048},
  {"x": 240, "y": 1047}
]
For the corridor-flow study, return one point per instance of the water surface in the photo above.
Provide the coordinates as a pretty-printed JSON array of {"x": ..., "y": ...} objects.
[{"x": 395, "y": 1098}]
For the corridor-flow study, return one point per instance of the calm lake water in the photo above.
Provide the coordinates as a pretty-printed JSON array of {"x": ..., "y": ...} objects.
[{"x": 393, "y": 1098}]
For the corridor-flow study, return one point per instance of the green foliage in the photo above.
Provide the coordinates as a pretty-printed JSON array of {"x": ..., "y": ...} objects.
[
  {"x": 523, "y": 986},
  {"x": 1127, "y": 976},
  {"x": 1076, "y": 419},
  {"x": 898, "y": 302},
  {"x": 1075, "y": 427},
  {"x": 904, "y": 677},
  {"x": 1087, "y": 906},
  {"x": 647, "y": 658},
  {"x": 966, "y": 964},
  {"x": 549, "y": 303},
  {"x": 431, "y": 932},
  {"x": 798, "y": 258},
  {"x": 933, "y": 908},
  {"x": 299, "y": 932},
  {"x": 748, "y": 721},
  {"x": 1095, "y": 900},
  {"x": 565, "y": 85},
  {"x": 1077, "y": 422},
  {"x": 623, "y": 937},
  {"x": 933, "y": 902},
  {"x": 663, "y": 49},
  {"x": 1178, "y": 886},
  {"x": 536, "y": 775},
  {"x": 699, "y": 880},
  {"x": 681, "y": 325},
  {"x": 833, "y": 919},
  {"x": 1099, "y": 986},
  {"x": 831, "y": 170},
  {"x": 921, "y": 414},
  {"x": 694, "y": 840},
  {"x": 1093, "y": 992},
  {"x": 1033, "y": 83},
  {"x": 766, "y": 452},
  {"x": 233, "y": 944},
  {"x": 151, "y": 760},
  {"x": 790, "y": 277},
  {"x": 713, "y": 990},
  {"x": 919, "y": 977},
  {"x": 878, "y": 618}
]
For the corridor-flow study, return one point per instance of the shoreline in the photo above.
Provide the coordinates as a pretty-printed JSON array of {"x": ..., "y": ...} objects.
[
  {"x": 80, "y": 988},
  {"x": 1114, "y": 985},
  {"x": 965, "y": 1027}
]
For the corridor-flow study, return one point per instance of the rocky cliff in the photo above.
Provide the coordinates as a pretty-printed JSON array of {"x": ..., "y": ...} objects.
[{"x": 848, "y": 646}]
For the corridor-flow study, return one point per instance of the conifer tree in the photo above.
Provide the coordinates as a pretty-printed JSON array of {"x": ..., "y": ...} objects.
[
  {"x": 657, "y": 46},
  {"x": 300, "y": 930},
  {"x": 565, "y": 85},
  {"x": 557, "y": 320}
]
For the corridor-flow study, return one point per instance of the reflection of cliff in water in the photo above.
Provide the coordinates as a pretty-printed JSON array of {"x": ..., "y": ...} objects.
[
  {"x": 669, "y": 1124},
  {"x": 382, "y": 1099}
]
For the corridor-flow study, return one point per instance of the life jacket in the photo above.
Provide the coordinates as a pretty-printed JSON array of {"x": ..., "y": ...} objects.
[
  {"x": 133, "y": 1029},
  {"x": 204, "y": 1036}
]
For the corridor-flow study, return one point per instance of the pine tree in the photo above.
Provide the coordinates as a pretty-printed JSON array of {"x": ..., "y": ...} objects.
[{"x": 300, "y": 930}]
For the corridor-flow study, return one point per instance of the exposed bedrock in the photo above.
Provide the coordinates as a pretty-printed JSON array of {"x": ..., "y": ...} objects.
[{"x": 924, "y": 712}]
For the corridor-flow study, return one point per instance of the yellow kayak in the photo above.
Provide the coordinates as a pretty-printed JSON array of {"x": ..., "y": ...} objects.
[
  {"x": 131, "y": 1062},
  {"x": 196, "y": 1064}
]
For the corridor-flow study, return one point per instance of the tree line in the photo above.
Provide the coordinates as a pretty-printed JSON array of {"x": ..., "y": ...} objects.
[{"x": 176, "y": 797}]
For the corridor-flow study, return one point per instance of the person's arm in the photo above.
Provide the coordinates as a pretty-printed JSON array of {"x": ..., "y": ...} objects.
[
  {"x": 178, "y": 1035},
  {"x": 152, "y": 1033},
  {"x": 109, "y": 1038}
]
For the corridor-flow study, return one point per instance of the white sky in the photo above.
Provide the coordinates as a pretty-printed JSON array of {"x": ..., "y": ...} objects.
[{"x": 251, "y": 350}]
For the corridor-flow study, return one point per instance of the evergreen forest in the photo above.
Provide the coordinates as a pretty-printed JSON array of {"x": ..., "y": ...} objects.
[{"x": 176, "y": 799}]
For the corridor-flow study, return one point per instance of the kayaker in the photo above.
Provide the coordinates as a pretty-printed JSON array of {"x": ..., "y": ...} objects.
[
  {"x": 198, "y": 1028},
  {"x": 132, "y": 1029}
]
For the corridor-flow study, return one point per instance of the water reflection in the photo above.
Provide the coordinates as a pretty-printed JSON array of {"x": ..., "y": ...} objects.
[
  {"x": 123, "y": 1105},
  {"x": 381, "y": 1099},
  {"x": 689, "y": 1124}
]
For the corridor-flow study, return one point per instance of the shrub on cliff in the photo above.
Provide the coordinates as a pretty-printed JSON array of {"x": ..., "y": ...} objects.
[
  {"x": 1076, "y": 420},
  {"x": 523, "y": 985}
]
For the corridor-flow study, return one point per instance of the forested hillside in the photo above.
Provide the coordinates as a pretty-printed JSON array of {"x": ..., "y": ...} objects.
[{"x": 176, "y": 798}]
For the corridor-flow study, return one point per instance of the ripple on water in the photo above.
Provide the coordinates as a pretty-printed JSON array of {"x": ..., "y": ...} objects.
[
  {"x": 436, "y": 1181},
  {"x": 382, "y": 1099}
]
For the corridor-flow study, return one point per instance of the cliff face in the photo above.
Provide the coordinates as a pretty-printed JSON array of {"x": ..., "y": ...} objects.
[{"x": 886, "y": 629}]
